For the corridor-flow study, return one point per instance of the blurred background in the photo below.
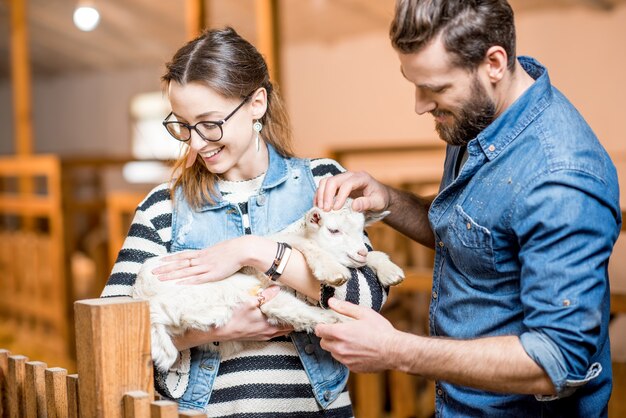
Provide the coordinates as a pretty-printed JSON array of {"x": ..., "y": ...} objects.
[{"x": 81, "y": 141}]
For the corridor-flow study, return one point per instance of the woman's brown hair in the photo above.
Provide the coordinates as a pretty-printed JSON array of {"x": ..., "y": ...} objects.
[{"x": 232, "y": 67}]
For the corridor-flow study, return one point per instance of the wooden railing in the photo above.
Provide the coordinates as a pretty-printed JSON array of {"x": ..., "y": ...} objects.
[{"x": 114, "y": 377}]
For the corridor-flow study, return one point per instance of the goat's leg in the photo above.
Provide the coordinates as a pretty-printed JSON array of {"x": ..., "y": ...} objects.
[
  {"x": 285, "y": 308},
  {"x": 323, "y": 264},
  {"x": 389, "y": 274}
]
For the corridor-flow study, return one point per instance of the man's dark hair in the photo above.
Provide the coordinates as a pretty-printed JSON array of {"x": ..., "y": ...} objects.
[{"x": 468, "y": 28}]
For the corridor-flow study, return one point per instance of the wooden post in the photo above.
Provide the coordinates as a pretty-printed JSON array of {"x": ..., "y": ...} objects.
[
  {"x": 35, "y": 389},
  {"x": 164, "y": 409},
  {"x": 4, "y": 373},
  {"x": 267, "y": 24},
  {"x": 17, "y": 372},
  {"x": 20, "y": 76},
  {"x": 136, "y": 404},
  {"x": 73, "y": 407},
  {"x": 194, "y": 18},
  {"x": 56, "y": 392},
  {"x": 113, "y": 353}
]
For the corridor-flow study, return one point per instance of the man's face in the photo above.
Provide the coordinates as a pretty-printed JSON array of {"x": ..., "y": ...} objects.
[{"x": 455, "y": 97}]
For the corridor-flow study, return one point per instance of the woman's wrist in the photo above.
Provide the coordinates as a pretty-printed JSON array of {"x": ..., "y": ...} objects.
[{"x": 259, "y": 252}]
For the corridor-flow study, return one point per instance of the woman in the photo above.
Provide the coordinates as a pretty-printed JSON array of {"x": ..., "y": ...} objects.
[{"x": 238, "y": 183}]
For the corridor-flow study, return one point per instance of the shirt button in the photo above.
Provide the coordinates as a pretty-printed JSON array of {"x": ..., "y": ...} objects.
[
  {"x": 492, "y": 148},
  {"x": 439, "y": 392},
  {"x": 309, "y": 349},
  {"x": 441, "y": 244},
  {"x": 260, "y": 201},
  {"x": 435, "y": 295},
  {"x": 469, "y": 225},
  {"x": 327, "y": 395}
]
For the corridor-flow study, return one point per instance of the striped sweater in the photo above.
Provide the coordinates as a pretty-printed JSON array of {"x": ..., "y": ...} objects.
[{"x": 267, "y": 378}]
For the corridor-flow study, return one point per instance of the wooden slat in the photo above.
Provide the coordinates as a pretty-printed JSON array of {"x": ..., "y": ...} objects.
[
  {"x": 35, "y": 389},
  {"x": 17, "y": 373},
  {"x": 402, "y": 394},
  {"x": 56, "y": 392},
  {"x": 4, "y": 375},
  {"x": 194, "y": 18},
  {"x": 267, "y": 36},
  {"x": 113, "y": 353},
  {"x": 119, "y": 205},
  {"x": 21, "y": 78},
  {"x": 164, "y": 409},
  {"x": 618, "y": 303},
  {"x": 369, "y": 395},
  {"x": 73, "y": 406},
  {"x": 136, "y": 404}
]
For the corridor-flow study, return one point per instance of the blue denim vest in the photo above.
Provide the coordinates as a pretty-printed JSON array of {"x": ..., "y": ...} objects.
[{"x": 286, "y": 194}]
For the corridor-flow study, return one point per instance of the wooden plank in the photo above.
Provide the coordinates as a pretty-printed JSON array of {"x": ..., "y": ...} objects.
[
  {"x": 119, "y": 205},
  {"x": 56, "y": 392},
  {"x": 136, "y": 404},
  {"x": 402, "y": 394},
  {"x": 618, "y": 303},
  {"x": 21, "y": 78},
  {"x": 163, "y": 409},
  {"x": 73, "y": 406},
  {"x": 113, "y": 353},
  {"x": 17, "y": 373},
  {"x": 35, "y": 389},
  {"x": 267, "y": 35},
  {"x": 368, "y": 395},
  {"x": 4, "y": 375},
  {"x": 194, "y": 18}
]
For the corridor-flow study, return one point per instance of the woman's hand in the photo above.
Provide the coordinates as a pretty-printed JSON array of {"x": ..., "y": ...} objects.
[
  {"x": 210, "y": 264},
  {"x": 246, "y": 324}
]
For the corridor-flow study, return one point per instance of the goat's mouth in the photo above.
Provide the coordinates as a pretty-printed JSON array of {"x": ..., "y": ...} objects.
[{"x": 357, "y": 261}]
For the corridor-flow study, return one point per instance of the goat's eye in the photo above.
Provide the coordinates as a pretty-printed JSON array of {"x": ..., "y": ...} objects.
[{"x": 333, "y": 231}]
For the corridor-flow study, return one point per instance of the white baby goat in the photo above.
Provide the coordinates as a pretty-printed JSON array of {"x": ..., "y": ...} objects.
[{"x": 331, "y": 242}]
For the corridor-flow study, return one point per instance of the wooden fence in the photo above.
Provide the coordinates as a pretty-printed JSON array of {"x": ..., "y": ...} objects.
[{"x": 114, "y": 364}]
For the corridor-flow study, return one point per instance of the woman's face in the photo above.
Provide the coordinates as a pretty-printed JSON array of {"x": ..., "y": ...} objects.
[{"x": 235, "y": 156}]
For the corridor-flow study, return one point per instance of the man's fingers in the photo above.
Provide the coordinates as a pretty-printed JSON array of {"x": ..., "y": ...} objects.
[{"x": 346, "y": 308}]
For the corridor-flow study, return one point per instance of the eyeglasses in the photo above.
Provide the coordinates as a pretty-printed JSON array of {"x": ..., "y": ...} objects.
[{"x": 208, "y": 130}]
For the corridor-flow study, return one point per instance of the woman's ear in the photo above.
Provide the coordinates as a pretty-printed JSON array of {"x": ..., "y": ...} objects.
[{"x": 258, "y": 101}]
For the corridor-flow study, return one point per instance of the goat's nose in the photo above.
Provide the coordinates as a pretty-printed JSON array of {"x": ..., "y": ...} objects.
[{"x": 363, "y": 252}]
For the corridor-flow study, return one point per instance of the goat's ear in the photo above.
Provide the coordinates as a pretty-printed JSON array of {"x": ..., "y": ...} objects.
[
  {"x": 314, "y": 217},
  {"x": 372, "y": 217}
]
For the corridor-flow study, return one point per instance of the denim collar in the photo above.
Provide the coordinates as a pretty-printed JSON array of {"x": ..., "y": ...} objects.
[
  {"x": 277, "y": 173},
  {"x": 520, "y": 114}
]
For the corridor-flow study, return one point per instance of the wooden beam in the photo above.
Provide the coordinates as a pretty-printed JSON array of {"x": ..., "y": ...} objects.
[
  {"x": 194, "y": 19},
  {"x": 21, "y": 78},
  {"x": 267, "y": 37}
]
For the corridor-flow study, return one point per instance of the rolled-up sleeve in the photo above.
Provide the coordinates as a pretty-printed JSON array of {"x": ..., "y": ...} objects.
[{"x": 567, "y": 222}]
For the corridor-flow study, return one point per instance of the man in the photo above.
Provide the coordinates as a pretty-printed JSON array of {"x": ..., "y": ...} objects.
[{"x": 523, "y": 226}]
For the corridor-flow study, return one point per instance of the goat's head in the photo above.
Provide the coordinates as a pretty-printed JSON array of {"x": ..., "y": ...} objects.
[{"x": 341, "y": 232}]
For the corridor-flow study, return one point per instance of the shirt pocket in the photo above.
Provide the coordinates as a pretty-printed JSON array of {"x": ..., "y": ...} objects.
[{"x": 471, "y": 248}]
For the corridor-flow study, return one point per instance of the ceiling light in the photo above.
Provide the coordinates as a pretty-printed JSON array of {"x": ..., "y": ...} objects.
[{"x": 86, "y": 17}]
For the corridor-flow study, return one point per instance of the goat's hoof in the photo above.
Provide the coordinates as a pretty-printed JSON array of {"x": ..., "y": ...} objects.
[
  {"x": 336, "y": 281},
  {"x": 390, "y": 275}
]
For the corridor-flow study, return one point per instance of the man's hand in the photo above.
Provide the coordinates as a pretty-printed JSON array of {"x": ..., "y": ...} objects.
[
  {"x": 368, "y": 193},
  {"x": 362, "y": 344}
]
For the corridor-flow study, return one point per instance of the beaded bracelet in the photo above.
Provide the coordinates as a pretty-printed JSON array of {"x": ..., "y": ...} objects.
[{"x": 283, "y": 252}]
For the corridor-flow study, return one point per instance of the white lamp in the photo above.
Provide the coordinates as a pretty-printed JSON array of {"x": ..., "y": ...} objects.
[{"x": 86, "y": 17}]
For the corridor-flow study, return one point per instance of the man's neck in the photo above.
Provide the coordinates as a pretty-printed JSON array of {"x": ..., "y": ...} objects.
[{"x": 512, "y": 87}]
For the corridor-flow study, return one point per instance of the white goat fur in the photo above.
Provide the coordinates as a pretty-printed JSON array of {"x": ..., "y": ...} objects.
[{"x": 331, "y": 242}]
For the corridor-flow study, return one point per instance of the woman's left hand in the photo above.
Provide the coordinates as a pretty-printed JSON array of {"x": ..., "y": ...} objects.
[{"x": 208, "y": 265}]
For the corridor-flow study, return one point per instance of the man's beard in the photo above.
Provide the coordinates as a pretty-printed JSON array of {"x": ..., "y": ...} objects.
[{"x": 472, "y": 117}]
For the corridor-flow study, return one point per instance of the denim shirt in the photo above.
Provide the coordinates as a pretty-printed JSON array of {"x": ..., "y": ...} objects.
[
  {"x": 286, "y": 194},
  {"x": 523, "y": 237}
]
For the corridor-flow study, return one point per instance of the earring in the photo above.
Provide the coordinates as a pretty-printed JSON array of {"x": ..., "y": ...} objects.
[{"x": 257, "y": 126}]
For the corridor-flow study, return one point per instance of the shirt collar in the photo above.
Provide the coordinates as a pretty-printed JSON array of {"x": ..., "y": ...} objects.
[{"x": 521, "y": 113}]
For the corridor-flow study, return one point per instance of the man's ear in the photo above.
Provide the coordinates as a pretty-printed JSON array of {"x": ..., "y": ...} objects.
[
  {"x": 258, "y": 101},
  {"x": 496, "y": 61},
  {"x": 372, "y": 217}
]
